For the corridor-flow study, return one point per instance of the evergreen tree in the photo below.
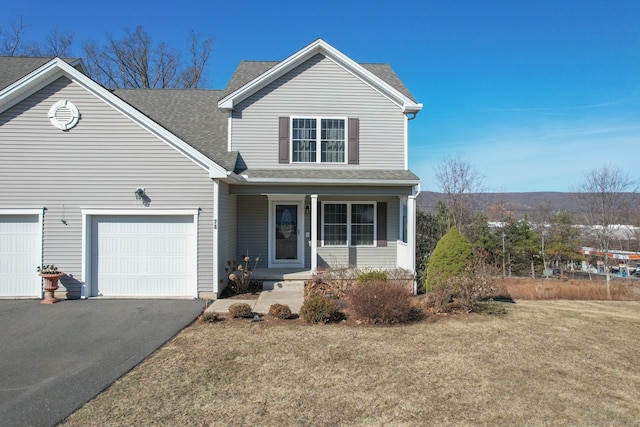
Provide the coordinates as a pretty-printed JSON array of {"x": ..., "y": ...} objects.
[{"x": 451, "y": 257}]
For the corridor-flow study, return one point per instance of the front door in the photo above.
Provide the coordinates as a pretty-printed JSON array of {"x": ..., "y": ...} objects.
[{"x": 286, "y": 241}]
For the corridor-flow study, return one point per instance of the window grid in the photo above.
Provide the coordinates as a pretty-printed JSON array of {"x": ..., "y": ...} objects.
[
  {"x": 332, "y": 140},
  {"x": 305, "y": 147},
  {"x": 362, "y": 219},
  {"x": 303, "y": 140},
  {"x": 335, "y": 224},
  {"x": 349, "y": 224}
]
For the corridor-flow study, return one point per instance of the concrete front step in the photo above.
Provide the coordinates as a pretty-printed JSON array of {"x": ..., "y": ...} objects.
[{"x": 287, "y": 292}]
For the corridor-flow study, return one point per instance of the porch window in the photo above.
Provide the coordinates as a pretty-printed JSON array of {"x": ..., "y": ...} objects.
[
  {"x": 335, "y": 224},
  {"x": 307, "y": 146},
  {"x": 348, "y": 224}
]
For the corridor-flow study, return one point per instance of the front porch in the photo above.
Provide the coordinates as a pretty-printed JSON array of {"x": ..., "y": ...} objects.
[{"x": 281, "y": 274}]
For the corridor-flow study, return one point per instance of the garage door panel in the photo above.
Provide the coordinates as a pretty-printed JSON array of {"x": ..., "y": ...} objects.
[
  {"x": 144, "y": 256},
  {"x": 20, "y": 254}
]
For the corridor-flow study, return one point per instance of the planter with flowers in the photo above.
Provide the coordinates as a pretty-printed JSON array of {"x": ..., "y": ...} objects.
[{"x": 50, "y": 276}]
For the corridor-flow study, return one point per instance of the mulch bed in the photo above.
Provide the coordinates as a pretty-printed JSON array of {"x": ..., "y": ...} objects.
[{"x": 253, "y": 292}]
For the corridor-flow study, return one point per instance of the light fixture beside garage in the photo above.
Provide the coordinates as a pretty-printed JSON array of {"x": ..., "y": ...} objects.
[{"x": 139, "y": 193}]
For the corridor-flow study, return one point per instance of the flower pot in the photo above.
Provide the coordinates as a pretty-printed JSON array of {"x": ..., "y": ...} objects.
[{"x": 50, "y": 286}]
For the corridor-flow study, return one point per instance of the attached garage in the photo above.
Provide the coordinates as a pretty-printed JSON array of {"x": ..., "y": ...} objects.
[
  {"x": 142, "y": 255},
  {"x": 20, "y": 253}
]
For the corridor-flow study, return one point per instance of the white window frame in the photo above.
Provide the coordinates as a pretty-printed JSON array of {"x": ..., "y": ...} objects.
[
  {"x": 318, "y": 120},
  {"x": 349, "y": 240}
]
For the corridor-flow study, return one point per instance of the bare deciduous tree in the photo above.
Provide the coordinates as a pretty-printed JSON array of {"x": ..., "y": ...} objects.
[
  {"x": 10, "y": 39},
  {"x": 59, "y": 43},
  {"x": 12, "y": 42},
  {"x": 604, "y": 197},
  {"x": 134, "y": 61},
  {"x": 458, "y": 180}
]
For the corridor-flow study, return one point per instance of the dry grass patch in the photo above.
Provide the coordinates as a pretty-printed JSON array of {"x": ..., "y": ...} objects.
[
  {"x": 542, "y": 363},
  {"x": 570, "y": 289}
]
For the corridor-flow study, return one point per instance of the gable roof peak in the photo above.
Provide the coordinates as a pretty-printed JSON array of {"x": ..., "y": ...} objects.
[{"x": 405, "y": 102}]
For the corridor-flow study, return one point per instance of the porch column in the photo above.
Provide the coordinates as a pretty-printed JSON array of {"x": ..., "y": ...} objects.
[
  {"x": 411, "y": 234},
  {"x": 314, "y": 233}
]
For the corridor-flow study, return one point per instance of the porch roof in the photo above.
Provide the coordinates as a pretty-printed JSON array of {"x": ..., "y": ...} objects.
[{"x": 322, "y": 176}]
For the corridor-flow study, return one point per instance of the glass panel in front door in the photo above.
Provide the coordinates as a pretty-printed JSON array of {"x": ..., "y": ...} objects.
[{"x": 286, "y": 232}]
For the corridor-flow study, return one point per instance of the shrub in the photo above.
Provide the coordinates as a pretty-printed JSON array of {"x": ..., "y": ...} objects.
[
  {"x": 209, "y": 317},
  {"x": 240, "y": 274},
  {"x": 368, "y": 275},
  {"x": 280, "y": 311},
  {"x": 335, "y": 282},
  {"x": 451, "y": 258},
  {"x": 318, "y": 308},
  {"x": 381, "y": 301},
  {"x": 240, "y": 309}
]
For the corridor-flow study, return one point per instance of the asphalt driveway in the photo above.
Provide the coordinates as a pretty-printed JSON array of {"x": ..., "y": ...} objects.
[{"x": 54, "y": 358}]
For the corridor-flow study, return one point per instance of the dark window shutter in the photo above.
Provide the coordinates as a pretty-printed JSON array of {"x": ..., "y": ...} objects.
[
  {"x": 354, "y": 141},
  {"x": 283, "y": 139},
  {"x": 381, "y": 226},
  {"x": 319, "y": 241}
]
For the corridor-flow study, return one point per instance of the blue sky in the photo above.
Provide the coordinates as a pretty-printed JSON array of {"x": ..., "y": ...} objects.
[{"x": 531, "y": 93}]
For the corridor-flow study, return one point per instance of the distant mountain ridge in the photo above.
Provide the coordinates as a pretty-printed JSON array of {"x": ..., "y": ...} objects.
[{"x": 519, "y": 204}]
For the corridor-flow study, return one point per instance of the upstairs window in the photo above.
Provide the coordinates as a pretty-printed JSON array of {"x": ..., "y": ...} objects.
[
  {"x": 303, "y": 141},
  {"x": 310, "y": 146},
  {"x": 318, "y": 140}
]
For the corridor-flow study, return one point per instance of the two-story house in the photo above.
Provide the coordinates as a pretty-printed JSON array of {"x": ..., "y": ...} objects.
[{"x": 302, "y": 162}]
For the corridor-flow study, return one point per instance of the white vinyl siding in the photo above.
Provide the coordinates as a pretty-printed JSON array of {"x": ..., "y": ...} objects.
[
  {"x": 97, "y": 164},
  {"x": 20, "y": 254},
  {"x": 320, "y": 88}
]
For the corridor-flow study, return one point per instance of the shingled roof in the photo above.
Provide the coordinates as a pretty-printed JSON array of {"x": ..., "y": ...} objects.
[
  {"x": 190, "y": 114},
  {"x": 13, "y": 68}
]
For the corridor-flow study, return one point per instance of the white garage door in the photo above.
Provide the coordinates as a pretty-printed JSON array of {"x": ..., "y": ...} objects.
[
  {"x": 143, "y": 256},
  {"x": 20, "y": 254}
]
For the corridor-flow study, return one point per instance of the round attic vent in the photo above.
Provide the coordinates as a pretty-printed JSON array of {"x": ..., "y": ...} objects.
[{"x": 64, "y": 115}]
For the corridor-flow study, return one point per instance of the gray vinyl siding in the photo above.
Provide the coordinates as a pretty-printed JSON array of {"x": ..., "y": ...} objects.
[
  {"x": 253, "y": 228},
  {"x": 97, "y": 164},
  {"x": 227, "y": 229},
  {"x": 253, "y": 235},
  {"x": 319, "y": 87}
]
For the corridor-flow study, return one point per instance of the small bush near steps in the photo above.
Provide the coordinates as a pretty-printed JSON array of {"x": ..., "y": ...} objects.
[
  {"x": 369, "y": 275},
  {"x": 381, "y": 301},
  {"x": 240, "y": 309},
  {"x": 318, "y": 308},
  {"x": 280, "y": 311},
  {"x": 209, "y": 317}
]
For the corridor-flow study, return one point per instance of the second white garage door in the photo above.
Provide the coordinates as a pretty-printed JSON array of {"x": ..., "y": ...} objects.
[
  {"x": 20, "y": 254},
  {"x": 143, "y": 256}
]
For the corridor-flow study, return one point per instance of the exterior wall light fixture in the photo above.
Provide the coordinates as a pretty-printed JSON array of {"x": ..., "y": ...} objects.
[{"x": 139, "y": 193}]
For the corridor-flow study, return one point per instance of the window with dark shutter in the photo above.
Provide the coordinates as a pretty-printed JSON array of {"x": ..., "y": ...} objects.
[{"x": 354, "y": 141}]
